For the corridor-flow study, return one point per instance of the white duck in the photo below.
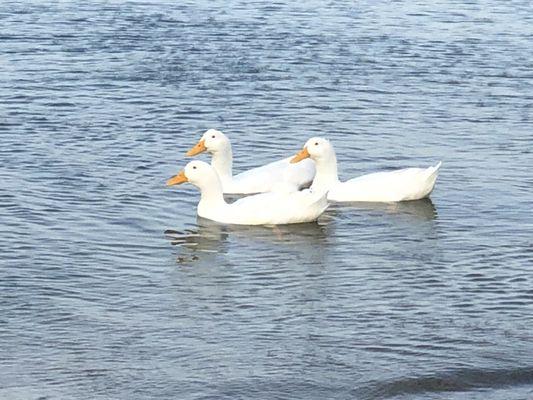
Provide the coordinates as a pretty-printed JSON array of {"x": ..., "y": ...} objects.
[
  {"x": 271, "y": 208},
  {"x": 279, "y": 175},
  {"x": 392, "y": 186}
]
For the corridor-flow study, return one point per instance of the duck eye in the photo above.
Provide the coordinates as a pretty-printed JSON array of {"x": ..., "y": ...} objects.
[
  {"x": 194, "y": 167},
  {"x": 212, "y": 137},
  {"x": 316, "y": 143}
]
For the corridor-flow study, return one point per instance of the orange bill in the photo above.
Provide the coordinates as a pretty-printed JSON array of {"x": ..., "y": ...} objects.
[
  {"x": 177, "y": 179},
  {"x": 197, "y": 149},
  {"x": 302, "y": 154}
]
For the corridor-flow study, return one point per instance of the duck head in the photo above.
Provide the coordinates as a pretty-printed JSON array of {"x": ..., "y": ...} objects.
[
  {"x": 212, "y": 141},
  {"x": 196, "y": 172},
  {"x": 316, "y": 148}
]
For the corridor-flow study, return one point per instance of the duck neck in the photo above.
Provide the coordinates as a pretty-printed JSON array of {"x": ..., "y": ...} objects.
[
  {"x": 326, "y": 173},
  {"x": 222, "y": 162},
  {"x": 211, "y": 195}
]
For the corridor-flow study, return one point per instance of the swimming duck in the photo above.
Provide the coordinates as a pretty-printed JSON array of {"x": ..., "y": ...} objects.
[
  {"x": 391, "y": 186},
  {"x": 278, "y": 176},
  {"x": 272, "y": 208}
]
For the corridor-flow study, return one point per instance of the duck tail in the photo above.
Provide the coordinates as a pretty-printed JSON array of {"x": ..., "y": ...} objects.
[
  {"x": 434, "y": 170},
  {"x": 323, "y": 201},
  {"x": 433, "y": 173}
]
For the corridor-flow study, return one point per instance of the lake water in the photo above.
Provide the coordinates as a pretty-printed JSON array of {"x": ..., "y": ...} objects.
[{"x": 111, "y": 289}]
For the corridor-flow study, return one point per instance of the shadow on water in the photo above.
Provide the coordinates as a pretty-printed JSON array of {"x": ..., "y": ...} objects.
[{"x": 456, "y": 381}]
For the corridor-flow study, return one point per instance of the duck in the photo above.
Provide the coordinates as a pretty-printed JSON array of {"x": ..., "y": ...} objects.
[
  {"x": 271, "y": 208},
  {"x": 279, "y": 175},
  {"x": 390, "y": 186}
]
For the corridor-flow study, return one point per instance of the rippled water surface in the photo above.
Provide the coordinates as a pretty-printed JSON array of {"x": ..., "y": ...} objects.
[{"x": 110, "y": 288}]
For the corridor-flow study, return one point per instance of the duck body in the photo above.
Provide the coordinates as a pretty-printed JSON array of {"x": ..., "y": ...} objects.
[
  {"x": 273, "y": 208},
  {"x": 390, "y": 186},
  {"x": 280, "y": 176}
]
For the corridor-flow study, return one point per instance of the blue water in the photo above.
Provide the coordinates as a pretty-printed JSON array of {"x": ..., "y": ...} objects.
[{"x": 110, "y": 288}]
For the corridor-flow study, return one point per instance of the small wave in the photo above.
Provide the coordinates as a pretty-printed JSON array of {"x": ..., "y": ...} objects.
[{"x": 456, "y": 381}]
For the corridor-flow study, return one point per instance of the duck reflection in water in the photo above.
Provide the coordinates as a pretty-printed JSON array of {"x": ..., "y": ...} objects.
[
  {"x": 211, "y": 240},
  {"x": 423, "y": 209}
]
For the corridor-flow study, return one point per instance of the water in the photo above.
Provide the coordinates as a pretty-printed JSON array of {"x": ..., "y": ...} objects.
[{"x": 110, "y": 287}]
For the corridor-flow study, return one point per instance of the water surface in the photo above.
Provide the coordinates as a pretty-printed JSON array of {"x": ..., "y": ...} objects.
[{"x": 111, "y": 288}]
